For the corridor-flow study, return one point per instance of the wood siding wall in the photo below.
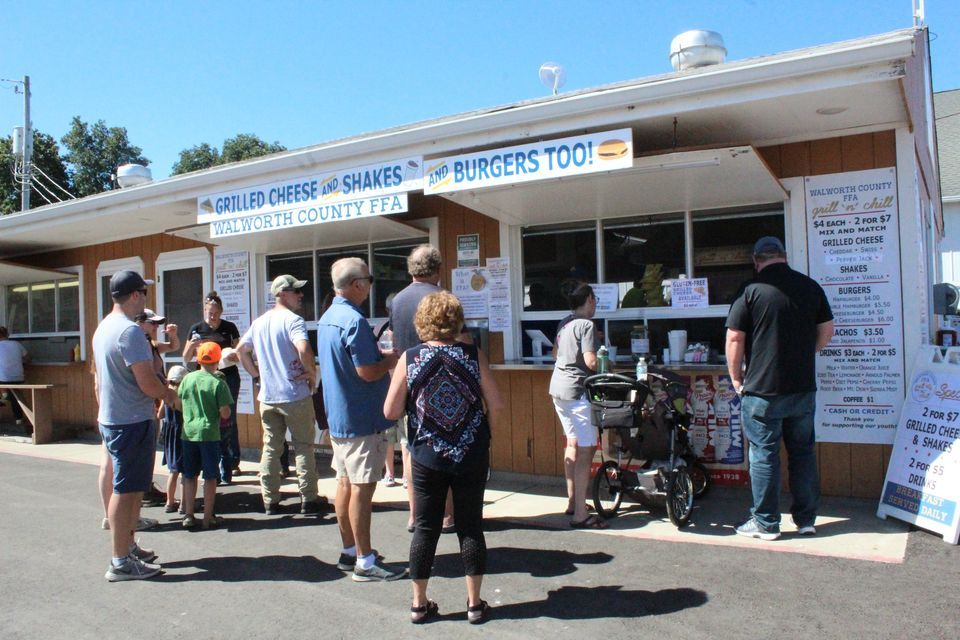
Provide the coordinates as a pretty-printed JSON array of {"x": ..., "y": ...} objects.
[
  {"x": 76, "y": 404},
  {"x": 845, "y": 469}
]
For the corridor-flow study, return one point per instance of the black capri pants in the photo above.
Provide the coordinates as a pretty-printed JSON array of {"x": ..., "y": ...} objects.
[{"x": 430, "y": 495}]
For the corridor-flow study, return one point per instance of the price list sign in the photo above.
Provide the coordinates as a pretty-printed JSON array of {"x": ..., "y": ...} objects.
[
  {"x": 923, "y": 478},
  {"x": 854, "y": 252}
]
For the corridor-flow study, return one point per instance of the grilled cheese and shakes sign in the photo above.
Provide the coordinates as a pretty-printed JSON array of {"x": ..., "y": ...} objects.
[
  {"x": 370, "y": 190},
  {"x": 543, "y": 160}
]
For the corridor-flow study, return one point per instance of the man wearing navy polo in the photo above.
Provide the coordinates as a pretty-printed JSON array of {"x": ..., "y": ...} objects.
[{"x": 356, "y": 375}]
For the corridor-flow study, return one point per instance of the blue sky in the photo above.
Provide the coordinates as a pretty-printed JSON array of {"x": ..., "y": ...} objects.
[{"x": 176, "y": 74}]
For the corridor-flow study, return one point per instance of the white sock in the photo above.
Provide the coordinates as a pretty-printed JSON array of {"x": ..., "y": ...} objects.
[
  {"x": 350, "y": 551},
  {"x": 367, "y": 561},
  {"x": 117, "y": 562}
]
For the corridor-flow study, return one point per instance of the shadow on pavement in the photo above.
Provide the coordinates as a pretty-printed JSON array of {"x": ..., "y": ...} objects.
[
  {"x": 585, "y": 603},
  {"x": 246, "y": 569},
  {"x": 538, "y": 563}
]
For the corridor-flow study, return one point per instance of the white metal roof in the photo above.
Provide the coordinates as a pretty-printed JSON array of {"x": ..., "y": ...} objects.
[{"x": 757, "y": 101}]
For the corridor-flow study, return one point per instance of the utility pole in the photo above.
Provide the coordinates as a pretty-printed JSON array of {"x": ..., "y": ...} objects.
[{"x": 27, "y": 146}]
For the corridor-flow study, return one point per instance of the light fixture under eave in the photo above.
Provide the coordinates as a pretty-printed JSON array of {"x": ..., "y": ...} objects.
[{"x": 831, "y": 111}]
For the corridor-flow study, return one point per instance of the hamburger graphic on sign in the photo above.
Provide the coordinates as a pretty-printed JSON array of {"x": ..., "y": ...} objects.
[{"x": 612, "y": 149}]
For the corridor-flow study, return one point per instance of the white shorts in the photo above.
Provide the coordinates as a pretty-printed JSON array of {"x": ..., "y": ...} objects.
[{"x": 575, "y": 418}]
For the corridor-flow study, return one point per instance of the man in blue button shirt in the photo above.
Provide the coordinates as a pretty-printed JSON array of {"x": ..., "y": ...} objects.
[{"x": 355, "y": 376}]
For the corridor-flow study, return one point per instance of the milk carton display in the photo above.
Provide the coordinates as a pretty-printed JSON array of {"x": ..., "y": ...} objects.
[
  {"x": 728, "y": 443},
  {"x": 703, "y": 418}
]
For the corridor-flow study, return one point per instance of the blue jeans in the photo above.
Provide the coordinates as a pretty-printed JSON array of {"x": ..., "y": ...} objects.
[{"x": 766, "y": 421}]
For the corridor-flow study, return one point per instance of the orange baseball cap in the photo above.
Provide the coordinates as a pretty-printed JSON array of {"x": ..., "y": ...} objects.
[{"x": 208, "y": 353}]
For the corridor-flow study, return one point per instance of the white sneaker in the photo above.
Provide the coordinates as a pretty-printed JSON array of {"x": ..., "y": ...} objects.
[
  {"x": 142, "y": 524},
  {"x": 131, "y": 569},
  {"x": 751, "y": 529},
  {"x": 389, "y": 481},
  {"x": 808, "y": 530}
]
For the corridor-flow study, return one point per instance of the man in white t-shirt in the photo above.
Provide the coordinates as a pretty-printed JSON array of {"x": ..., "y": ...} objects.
[
  {"x": 12, "y": 357},
  {"x": 287, "y": 374}
]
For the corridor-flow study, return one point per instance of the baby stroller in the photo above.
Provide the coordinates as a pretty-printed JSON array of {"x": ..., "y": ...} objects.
[{"x": 654, "y": 462}]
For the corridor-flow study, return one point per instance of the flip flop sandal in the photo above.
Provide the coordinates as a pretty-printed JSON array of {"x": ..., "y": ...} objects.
[
  {"x": 451, "y": 529},
  {"x": 423, "y": 613},
  {"x": 478, "y": 613},
  {"x": 570, "y": 512},
  {"x": 591, "y": 522}
]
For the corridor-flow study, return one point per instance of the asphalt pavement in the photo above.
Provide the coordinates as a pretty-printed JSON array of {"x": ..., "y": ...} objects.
[{"x": 260, "y": 576}]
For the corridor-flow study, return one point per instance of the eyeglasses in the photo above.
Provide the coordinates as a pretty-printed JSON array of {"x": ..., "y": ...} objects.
[
  {"x": 291, "y": 290},
  {"x": 143, "y": 292},
  {"x": 367, "y": 278}
]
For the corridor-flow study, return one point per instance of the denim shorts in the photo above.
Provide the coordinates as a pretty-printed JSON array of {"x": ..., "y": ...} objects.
[
  {"x": 199, "y": 456},
  {"x": 132, "y": 449}
]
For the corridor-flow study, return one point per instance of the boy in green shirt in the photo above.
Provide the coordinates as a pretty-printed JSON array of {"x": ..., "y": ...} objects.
[{"x": 206, "y": 400}]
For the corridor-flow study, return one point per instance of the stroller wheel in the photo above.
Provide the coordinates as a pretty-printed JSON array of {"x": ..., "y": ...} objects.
[
  {"x": 679, "y": 496},
  {"x": 608, "y": 489},
  {"x": 700, "y": 477}
]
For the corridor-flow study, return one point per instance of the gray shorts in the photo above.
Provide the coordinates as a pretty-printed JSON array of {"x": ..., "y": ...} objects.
[{"x": 359, "y": 459}]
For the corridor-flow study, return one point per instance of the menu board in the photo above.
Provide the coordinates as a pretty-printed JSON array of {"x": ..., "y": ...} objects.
[
  {"x": 501, "y": 316},
  {"x": 854, "y": 252},
  {"x": 922, "y": 485},
  {"x": 231, "y": 276}
]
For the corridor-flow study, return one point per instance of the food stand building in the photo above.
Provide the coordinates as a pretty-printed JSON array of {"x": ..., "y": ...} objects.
[{"x": 831, "y": 148}]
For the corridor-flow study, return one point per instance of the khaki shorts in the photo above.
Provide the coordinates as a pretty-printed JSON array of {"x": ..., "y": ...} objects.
[
  {"x": 397, "y": 434},
  {"x": 359, "y": 459}
]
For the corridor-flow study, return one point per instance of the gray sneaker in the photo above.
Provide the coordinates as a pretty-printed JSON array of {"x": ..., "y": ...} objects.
[
  {"x": 807, "y": 530},
  {"x": 379, "y": 572},
  {"x": 142, "y": 524},
  {"x": 141, "y": 554},
  {"x": 131, "y": 569},
  {"x": 751, "y": 529}
]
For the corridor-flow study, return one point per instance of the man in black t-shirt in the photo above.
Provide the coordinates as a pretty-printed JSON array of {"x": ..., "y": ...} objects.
[{"x": 775, "y": 328}]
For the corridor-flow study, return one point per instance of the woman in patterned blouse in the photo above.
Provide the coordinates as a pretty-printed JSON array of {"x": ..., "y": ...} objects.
[{"x": 445, "y": 387}]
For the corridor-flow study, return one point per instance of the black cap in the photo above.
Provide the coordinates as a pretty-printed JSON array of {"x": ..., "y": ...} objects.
[
  {"x": 126, "y": 282},
  {"x": 768, "y": 244}
]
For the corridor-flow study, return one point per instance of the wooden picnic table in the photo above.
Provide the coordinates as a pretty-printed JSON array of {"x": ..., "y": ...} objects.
[{"x": 40, "y": 410}]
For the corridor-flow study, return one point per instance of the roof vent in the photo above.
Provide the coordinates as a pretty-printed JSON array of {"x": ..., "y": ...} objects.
[
  {"x": 131, "y": 175},
  {"x": 697, "y": 48}
]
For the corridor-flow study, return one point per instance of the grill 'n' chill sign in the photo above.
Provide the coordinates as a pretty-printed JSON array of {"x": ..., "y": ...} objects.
[{"x": 578, "y": 155}]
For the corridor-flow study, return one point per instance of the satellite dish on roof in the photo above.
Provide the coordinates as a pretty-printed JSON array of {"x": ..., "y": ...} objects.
[{"x": 553, "y": 76}]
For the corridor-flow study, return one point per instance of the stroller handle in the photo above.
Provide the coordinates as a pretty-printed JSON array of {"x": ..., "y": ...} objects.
[{"x": 613, "y": 380}]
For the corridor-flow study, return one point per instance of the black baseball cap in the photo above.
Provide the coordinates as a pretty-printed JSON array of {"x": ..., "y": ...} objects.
[{"x": 126, "y": 282}]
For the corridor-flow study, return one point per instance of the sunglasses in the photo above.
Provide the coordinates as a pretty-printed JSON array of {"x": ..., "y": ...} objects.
[
  {"x": 154, "y": 322},
  {"x": 367, "y": 278},
  {"x": 143, "y": 292}
]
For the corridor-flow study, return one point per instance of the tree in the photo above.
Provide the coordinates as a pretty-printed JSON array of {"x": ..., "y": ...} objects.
[
  {"x": 94, "y": 153},
  {"x": 46, "y": 157},
  {"x": 243, "y": 146},
  {"x": 202, "y": 156}
]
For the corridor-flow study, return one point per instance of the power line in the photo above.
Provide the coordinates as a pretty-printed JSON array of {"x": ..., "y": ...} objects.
[
  {"x": 40, "y": 192},
  {"x": 36, "y": 181},
  {"x": 54, "y": 182}
]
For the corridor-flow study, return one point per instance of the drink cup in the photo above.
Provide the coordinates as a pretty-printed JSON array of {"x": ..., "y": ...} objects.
[{"x": 162, "y": 334}]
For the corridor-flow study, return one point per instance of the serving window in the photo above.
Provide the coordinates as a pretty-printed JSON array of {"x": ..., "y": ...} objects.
[
  {"x": 45, "y": 317},
  {"x": 640, "y": 256},
  {"x": 387, "y": 262}
]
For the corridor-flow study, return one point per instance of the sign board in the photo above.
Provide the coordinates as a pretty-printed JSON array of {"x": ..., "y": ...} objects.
[
  {"x": 542, "y": 160},
  {"x": 607, "y": 295},
  {"x": 468, "y": 250},
  {"x": 854, "y": 251},
  {"x": 313, "y": 191},
  {"x": 231, "y": 279},
  {"x": 499, "y": 308},
  {"x": 309, "y": 215},
  {"x": 922, "y": 485},
  {"x": 472, "y": 288},
  {"x": 689, "y": 293}
]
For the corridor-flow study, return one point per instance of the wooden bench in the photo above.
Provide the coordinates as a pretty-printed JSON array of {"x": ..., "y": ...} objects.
[{"x": 40, "y": 411}]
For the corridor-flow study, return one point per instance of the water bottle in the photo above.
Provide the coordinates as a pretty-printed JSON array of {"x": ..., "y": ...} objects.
[
  {"x": 642, "y": 369},
  {"x": 603, "y": 359}
]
